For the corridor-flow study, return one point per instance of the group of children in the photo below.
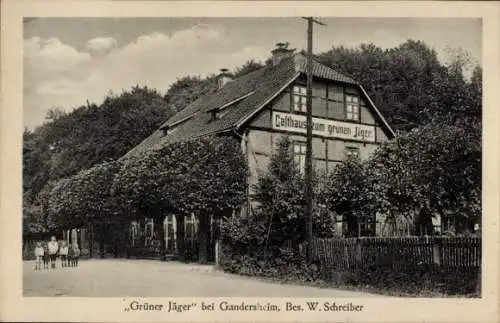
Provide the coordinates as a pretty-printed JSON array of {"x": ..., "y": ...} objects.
[{"x": 48, "y": 253}]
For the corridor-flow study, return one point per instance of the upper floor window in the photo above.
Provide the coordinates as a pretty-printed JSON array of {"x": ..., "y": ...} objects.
[
  {"x": 299, "y": 98},
  {"x": 352, "y": 107},
  {"x": 299, "y": 155},
  {"x": 352, "y": 152}
]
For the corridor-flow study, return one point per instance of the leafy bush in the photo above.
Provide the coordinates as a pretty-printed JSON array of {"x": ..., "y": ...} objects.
[
  {"x": 409, "y": 280},
  {"x": 280, "y": 197}
]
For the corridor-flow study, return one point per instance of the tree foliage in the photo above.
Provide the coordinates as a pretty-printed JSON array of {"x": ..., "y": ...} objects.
[
  {"x": 187, "y": 90},
  {"x": 433, "y": 170},
  {"x": 408, "y": 83},
  {"x": 280, "y": 215},
  {"x": 84, "y": 197},
  {"x": 207, "y": 174},
  {"x": 347, "y": 193},
  {"x": 246, "y": 68},
  {"x": 280, "y": 195},
  {"x": 89, "y": 135}
]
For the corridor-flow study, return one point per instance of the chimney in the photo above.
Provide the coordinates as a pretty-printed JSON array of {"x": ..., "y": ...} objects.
[
  {"x": 224, "y": 77},
  {"x": 281, "y": 51}
]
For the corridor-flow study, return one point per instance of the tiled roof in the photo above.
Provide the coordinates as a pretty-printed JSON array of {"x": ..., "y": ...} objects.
[
  {"x": 196, "y": 120},
  {"x": 322, "y": 71}
]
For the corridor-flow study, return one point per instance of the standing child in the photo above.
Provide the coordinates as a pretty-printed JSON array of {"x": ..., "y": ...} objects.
[
  {"x": 45, "y": 256},
  {"x": 53, "y": 247},
  {"x": 39, "y": 256},
  {"x": 76, "y": 254},
  {"x": 63, "y": 253}
]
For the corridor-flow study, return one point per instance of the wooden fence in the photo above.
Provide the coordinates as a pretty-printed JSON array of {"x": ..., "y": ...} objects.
[{"x": 366, "y": 252}]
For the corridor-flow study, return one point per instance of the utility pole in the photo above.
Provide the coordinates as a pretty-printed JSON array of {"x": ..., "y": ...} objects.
[{"x": 308, "y": 161}]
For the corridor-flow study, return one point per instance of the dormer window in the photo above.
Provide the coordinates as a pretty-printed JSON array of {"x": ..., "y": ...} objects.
[
  {"x": 169, "y": 130},
  {"x": 299, "y": 98},
  {"x": 216, "y": 114},
  {"x": 219, "y": 112}
]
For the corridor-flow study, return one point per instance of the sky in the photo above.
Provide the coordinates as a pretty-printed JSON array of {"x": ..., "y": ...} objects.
[{"x": 68, "y": 61}]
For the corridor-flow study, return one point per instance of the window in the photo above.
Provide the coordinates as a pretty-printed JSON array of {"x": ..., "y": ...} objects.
[
  {"x": 352, "y": 152},
  {"x": 135, "y": 233},
  {"x": 367, "y": 226},
  {"x": 191, "y": 224},
  {"x": 299, "y": 155},
  {"x": 170, "y": 229},
  {"x": 352, "y": 108},
  {"x": 299, "y": 99}
]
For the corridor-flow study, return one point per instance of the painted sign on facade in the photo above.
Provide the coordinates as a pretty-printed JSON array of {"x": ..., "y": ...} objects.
[{"x": 323, "y": 127}]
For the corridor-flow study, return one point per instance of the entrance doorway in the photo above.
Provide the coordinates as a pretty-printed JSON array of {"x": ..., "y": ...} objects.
[{"x": 191, "y": 237}]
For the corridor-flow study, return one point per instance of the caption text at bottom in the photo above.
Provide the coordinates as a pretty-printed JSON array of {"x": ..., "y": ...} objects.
[{"x": 228, "y": 306}]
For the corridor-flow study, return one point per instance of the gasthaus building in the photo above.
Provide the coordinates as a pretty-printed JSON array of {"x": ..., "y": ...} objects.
[{"x": 269, "y": 103}]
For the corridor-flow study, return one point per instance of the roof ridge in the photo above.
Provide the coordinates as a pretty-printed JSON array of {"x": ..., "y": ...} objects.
[{"x": 300, "y": 65}]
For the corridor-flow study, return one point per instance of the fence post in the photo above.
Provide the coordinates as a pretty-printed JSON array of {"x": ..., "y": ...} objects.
[
  {"x": 217, "y": 246},
  {"x": 346, "y": 255},
  {"x": 436, "y": 252},
  {"x": 358, "y": 251}
]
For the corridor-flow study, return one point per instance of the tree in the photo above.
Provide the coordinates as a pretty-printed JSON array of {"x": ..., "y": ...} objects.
[
  {"x": 280, "y": 198},
  {"x": 85, "y": 196},
  {"x": 398, "y": 79},
  {"x": 54, "y": 114},
  {"x": 203, "y": 177},
  {"x": 188, "y": 89},
  {"x": 347, "y": 193},
  {"x": 220, "y": 175},
  {"x": 247, "y": 68},
  {"x": 84, "y": 199},
  {"x": 89, "y": 135},
  {"x": 70, "y": 142},
  {"x": 146, "y": 185},
  {"x": 433, "y": 170}
]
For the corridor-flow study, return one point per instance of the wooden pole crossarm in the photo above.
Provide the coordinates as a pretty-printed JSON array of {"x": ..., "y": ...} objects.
[{"x": 314, "y": 21}]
